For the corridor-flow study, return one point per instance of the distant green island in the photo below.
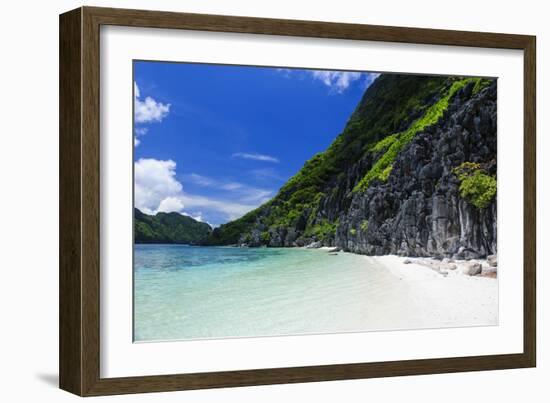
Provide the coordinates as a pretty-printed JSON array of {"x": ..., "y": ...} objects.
[{"x": 169, "y": 228}]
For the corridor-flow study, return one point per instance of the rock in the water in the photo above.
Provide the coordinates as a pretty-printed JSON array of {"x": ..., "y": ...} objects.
[
  {"x": 472, "y": 268},
  {"x": 492, "y": 260}
]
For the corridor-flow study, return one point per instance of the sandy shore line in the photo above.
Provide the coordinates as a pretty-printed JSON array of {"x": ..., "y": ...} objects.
[
  {"x": 432, "y": 268},
  {"x": 438, "y": 293},
  {"x": 448, "y": 296},
  {"x": 416, "y": 293}
]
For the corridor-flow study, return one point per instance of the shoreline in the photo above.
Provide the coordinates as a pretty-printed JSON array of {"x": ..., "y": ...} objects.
[
  {"x": 482, "y": 267},
  {"x": 400, "y": 266},
  {"x": 444, "y": 267}
]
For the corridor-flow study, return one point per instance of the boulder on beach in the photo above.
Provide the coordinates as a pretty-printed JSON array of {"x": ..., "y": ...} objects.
[
  {"x": 314, "y": 245},
  {"x": 447, "y": 260},
  {"x": 472, "y": 268},
  {"x": 492, "y": 260},
  {"x": 448, "y": 266}
]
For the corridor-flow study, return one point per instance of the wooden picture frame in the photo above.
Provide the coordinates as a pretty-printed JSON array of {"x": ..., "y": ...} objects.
[{"x": 79, "y": 348}]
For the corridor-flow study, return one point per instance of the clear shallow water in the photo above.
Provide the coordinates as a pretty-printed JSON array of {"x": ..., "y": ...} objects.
[{"x": 185, "y": 292}]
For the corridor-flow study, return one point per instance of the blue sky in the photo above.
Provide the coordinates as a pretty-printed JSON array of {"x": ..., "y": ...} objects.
[{"x": 215, "y": 141}]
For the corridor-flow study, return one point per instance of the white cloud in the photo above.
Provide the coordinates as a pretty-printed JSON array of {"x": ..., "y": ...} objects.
[
  {"x": 255, "y": 156},
  {"x": 154, "y": 181},
  {"x": 285, "y": 72},
  {"x": 171, "y": 203},
  {"x": 197, "y": 217},
  {"x": 156, "y": 188},
  {"x": 139, "y": 131},
  {"x": 200, "y": 180},
  {"x": 336, "y": 80},
  {"x": 266, "y": 174},
  {"x": 256, "y": 196},
  {"x": 232, "y": 186},
  {"x": 231, "y": 210},
  {"x": 244, "y": 193},
  {"x": 148, "y": 110}
]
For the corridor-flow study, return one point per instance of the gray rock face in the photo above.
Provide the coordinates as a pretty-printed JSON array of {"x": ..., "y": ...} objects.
[{"x": 419, "y": 210}]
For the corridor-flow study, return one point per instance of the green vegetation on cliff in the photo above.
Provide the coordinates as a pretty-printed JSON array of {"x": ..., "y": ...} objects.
[
  {"x": 169, "y": 228},
  {"x": 322, "y": 230},
  {"x": 394, "y": 143},
  {"x": 476, "y": 186}
]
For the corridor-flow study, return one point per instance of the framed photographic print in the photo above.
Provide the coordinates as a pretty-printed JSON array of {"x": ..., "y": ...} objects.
[{"x": 249, "y": 201}]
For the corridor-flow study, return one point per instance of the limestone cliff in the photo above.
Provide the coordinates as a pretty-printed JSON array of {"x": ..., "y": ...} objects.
[{"x": 413, "y": 173}]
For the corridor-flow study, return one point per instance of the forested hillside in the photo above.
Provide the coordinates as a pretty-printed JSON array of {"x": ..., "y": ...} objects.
[{"x": 169, "y": 228}]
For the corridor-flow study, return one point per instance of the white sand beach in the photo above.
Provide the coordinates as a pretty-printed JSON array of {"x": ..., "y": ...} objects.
[{"x": 439, "y": 299}]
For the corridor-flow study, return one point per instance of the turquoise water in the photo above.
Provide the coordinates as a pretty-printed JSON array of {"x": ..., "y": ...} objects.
[{"x": 186, "y": 292}]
